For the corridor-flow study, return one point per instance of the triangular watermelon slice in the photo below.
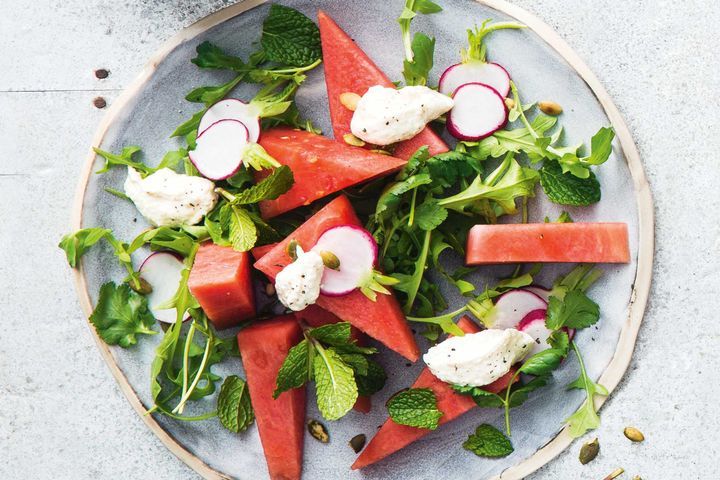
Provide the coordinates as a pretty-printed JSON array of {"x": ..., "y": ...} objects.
[
  {"x": 382, "y": 319},
  {"x": 392, "y": 437},
  {"x": 349, "y": 69},
  {"x": 320, "y": 166},
  {"x": 281, "y": 421}
]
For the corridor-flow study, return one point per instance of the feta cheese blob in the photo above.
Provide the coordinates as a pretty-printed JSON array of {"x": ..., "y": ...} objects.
[
  {"x": 167, "y": 198},
  {"x": 388, "y": 115},
  {"x": 298, "y": 284},
  {"x": 478, "y": 359}
]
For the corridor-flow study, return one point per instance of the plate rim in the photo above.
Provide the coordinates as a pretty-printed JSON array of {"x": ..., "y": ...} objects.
[{"x": 615, "y": 370}]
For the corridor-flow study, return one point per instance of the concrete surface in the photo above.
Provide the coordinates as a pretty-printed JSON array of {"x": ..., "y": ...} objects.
[{"x": 63, "y": 417}]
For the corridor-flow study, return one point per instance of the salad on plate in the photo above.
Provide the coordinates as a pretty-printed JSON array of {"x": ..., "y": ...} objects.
[{"x": 324, "y": 247}]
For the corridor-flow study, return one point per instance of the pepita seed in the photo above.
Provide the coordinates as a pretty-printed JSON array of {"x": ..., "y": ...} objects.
[
  {"x": 589, "y": 451},
  {"x": 381, "y": 152},
  {"x": 318, "y": 431},
  {"x": 633, "y": 434},
  {"x": 349, "y": 100},
  {"x": 291, "y": 249},
  {"x": 357, "y": 442},
  {"x": 550, "y": 108},
  {"x": 330, "y": 260},
  {"x": 616, "y": 473},
  {"x": 351, "y": 139},
  {"x": 269, "y": 289},
  {"x": 510, "y": 103},
  {"x": 144, "y": 288},
  {"x": 636, "y": 477}
]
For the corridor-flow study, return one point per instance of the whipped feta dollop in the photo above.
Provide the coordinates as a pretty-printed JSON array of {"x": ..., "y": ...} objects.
[
  {"x": 167, "y": 198},
  {"x": 478, "y": 359},
  {"x": 298, "y": 284},
  {"x": 388, "y": 115}
]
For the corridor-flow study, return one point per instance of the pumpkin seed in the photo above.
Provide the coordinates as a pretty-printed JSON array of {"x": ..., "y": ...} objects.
[
  {"x": 291, "y": 249},
  {"x": 381, "y": 152},
  {"x": 144, "y": 288},
  {"x": 616, "y": 473},
  {"x": 589, "y": 451},
  {"x": 509, "y": 103},
  {"x": 349, "y": 100},
  {"x": 636, "y": 477},
  {"x": 351, "y": 139},
  {"x": 269, "y": 289},
  {"x": 550, "y": 108},
  {"x": 358, "y": 442},
  {"x": 330, "y": 260},
  {"x": 318, "y": 431},
  {"x": 633, "y": 434}
]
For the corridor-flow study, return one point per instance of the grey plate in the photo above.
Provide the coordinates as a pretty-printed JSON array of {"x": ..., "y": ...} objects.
[{"x": 148, "y": 115}]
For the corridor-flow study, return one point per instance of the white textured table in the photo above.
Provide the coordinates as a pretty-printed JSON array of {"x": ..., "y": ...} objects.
[{"x": 63, "y": 417}]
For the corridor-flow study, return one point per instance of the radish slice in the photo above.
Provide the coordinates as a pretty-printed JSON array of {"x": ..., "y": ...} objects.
[
  {"x": 541, "y": 292},
  {"x": 356, "y": 250},
  {"x": 490, "y": 74},
  {"x": 162, "y": 270},
  {"x": 534, "y": 325},
  {"x": 512, "y": 307},
  {"x": 220, "y": 148},
  {"x": 233, "y": 109},
  {"x": 479, "y": 112}
]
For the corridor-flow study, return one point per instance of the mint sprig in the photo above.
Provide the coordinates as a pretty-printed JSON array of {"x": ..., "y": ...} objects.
[
  {"x": 488, "y": 441},
  {"x": 415, "y": 407},
  {"x": 289, "y": 37},
  {"x": 233, "y": 405}
]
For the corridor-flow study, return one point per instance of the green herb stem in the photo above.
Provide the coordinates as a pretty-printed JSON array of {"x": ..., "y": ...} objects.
[
  {"x": 186, "y": 358},
  {"x": 201, "y": 369}
]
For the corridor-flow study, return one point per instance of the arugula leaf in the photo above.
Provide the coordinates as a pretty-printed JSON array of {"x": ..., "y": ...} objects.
[
  {"x": 335, "y": 385},
  {"x": 488, "y": 441},
  {"x": 576, "y": 310},
  {"x": 77, "y": 244},
  {"x": 586, "y": 418},
  {"x": 234, "y": 409},
  {"x": 124, "y": 158},
  {"x": 269, "y": 188},
  {"x": 415, "y": 407},
  {"x": 477, "y": 51},
  {"x": 295, "y": 370},
  {"x": 566, "y": 188},
  {"x": 506, "y": 183},
  {"x": 543, "y": 362},
  {"x": 121, "y": 315},
  {"x": 211, "y": 56},
  {"x": 519, "y": 140},
  {"x": 520, "y": 393},
  {"x": 482, "y": 398},
  {"x": 290, "y": 37},
  {"x": 178, "y": 239},
  {"x": 417, "y": 70}
]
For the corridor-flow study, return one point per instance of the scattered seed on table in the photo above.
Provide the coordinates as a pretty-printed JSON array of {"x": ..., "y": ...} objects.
[
  {"x": 99, "y": 102},
  {"x": 101, "y": 73}
]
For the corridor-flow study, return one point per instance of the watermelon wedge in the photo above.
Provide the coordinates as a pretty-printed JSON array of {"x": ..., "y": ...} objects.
[
  {"x": 382, "y": 319},
  {"x": 392, "y": 437},
  {"x": 315, "y": 316},
  {"x": 220, "y": 281},
  {"x": 548, "y": 242},
  {"x": 259, "y": 252},
  {"x": 320, "y": 166},
  {"x": 349, "y": 69},
  {"x": 281, "y": 421}
]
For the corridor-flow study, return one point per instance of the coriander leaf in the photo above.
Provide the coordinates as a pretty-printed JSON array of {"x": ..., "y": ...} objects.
[
  {"x": 488, "y": 441},
  {"x": 77, "y": 244},
  {"x": 233, "y": 405},
  {"x": 125, "y": 158},
  {"x": 566, "y": 188},
  {"x": 332, "y": 334},
  {"x": 121, "y": 314},
  {"x": 289, "y": 37},
  {"x": 482, "y": 398},
  {"x": 576, "y": 310},
  {"x": 447, "y": 168},
  {"x": 269, "y": 188},
  {"x": 294, "y": 371},
  {"x": 559, "y": 340},
  {"x": 210, "y": 55},
  {"x": 390, "y": 199},
  {"x": 243, "y": 233},
  {"x": 335, "y": 386},
  {"x": 415, "y": 407},
  {"x": 429, "y": 215},
  {"x": 373, "y": 381},
  {"x": 417, "y": 70},
  {"x": 542, "y": 363}
]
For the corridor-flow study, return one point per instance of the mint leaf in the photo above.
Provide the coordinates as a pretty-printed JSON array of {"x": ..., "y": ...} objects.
[
  {"x": 371, "y": 382},
  {"x": 295, "y": 369},
  {"x": 269, "y": 188},
  {"x": 233, "y": 405},
  {"x": 332, "y": 334},
  {"x": 335, "y": 385},
  {"x": 289, "y": 37},
  {"x": 488, "y": 441},
  {"x": 243, "y": 233},
  {"x": 576, "y": 310},
  {"x": 121, "y": 315},
  {"x": 566, "y": 188},
  {"x": 415, "y": 407},
  {"x": 211, "y": 56}
]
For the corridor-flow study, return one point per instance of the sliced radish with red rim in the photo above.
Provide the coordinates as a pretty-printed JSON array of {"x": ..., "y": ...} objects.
[
  {"x": 162, "y": 270},
  {"x": 490, "y": 74},
  {"x": 233, "y": 109},
  {"x": 479, "y": 112},
  {"x": 534, "y": 325},
  {"x": 512, "y": 307},
  {"x": 356, "y": 250},
  {"x": 541, "y": 292},
  {"x": 220, "y": 148}
]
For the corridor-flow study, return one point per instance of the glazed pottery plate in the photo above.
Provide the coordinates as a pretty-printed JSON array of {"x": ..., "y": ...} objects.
[{"x": 543, "y": 67}]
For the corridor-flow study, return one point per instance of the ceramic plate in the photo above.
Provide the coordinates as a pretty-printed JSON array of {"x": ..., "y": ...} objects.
[{"x": 544, "y": 67}]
